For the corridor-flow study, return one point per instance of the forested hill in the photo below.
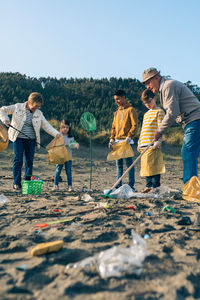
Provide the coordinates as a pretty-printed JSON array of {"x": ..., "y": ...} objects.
[{"x": 69, "y": 98}]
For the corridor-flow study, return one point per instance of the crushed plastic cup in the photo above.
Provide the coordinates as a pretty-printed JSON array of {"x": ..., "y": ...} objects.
[
  {"x": 86, "y": 197},
  {"x": 116, "y": 261},
  {"x": 3, "y": 199}
]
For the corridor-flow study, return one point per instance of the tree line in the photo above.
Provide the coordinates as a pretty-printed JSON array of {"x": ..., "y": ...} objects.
[{"x": 69, "y": 98}]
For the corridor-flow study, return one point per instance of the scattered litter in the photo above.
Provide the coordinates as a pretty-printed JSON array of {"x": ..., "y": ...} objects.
[
  {"x": 169, "y": 208},
  {"x": 44, "y": 248},
  {"x": 102, "y": 204},
  {"x": 146, "y": 236},
  {"x": 43, "y": 225},
  {"x": 116, "y": 261},
  {"x": 40, "y": 233},
  {"x": 57, "y": 210},
  {"x": 86, "y": 197},
  {"x": 123, "y": 192},
  {"x": 148, "y": 213},
  {"x": 185, "y": 221},
  {"x": 3, "y": 199},
  {"x": 21, "y": 268}
]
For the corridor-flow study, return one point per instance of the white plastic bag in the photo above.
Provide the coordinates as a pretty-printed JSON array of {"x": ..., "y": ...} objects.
[
  {"x": 3, "y": 199},
  {"x": 124, "y": 192},
  {"x": 117, "y": 261}
]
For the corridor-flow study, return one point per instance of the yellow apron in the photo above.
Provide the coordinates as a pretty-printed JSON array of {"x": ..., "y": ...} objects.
[
  {"x": 120, "y": 150},
  {"x": 57, "y": 152},
  {"x": 191, "y": 190},
  {"x": 152, "y": 163},
  {"x": 3, "y": 138}
]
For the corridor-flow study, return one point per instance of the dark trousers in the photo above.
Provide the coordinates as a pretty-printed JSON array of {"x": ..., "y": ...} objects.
[
  {"x": 22, "y": 147},
  {"x": 153, "y": 181}
]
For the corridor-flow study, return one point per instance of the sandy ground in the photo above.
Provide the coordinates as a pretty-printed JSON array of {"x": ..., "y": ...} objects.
[{"x": 170, "y": 271}]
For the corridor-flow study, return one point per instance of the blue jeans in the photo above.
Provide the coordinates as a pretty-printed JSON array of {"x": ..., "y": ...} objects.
[
  {"x": 190, "y": 150},
  {"x": 22, "y": 147},
  {"x": 68, "y": 171},
  {"x": 131, "y": 173},
  {"x": 153, "y": 181}
]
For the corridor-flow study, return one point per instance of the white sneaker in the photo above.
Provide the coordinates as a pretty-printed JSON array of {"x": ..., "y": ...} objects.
[
  {"x": 55, "y": 188},
  {"x": 70, "y": 189}
]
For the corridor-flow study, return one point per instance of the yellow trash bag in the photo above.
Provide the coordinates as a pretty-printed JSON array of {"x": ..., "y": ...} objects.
[
  {"x": 191, "y": 190},
  {"x": 57, "y": 152},
  {"x": 3, "y": 138},
  {"x": 152, "y": 163},
  {"x": 120, "y": 150}
]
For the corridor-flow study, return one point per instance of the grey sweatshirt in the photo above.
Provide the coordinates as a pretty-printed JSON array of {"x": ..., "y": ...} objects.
[{"x": 180, "y": 104}]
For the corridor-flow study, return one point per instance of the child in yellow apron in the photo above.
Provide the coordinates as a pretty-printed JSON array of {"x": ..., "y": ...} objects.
[{"x": 152, "y": 164}]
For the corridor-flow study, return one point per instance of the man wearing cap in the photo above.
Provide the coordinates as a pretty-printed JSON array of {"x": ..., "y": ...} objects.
[{"x": 181, "y": 106}]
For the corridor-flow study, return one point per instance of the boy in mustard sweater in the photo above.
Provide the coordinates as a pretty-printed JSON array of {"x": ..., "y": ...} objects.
[{"x": 124, "y": 128}]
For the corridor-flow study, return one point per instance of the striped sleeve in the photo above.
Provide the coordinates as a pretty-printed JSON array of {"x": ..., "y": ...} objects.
[{"x": 151, "y": 121}]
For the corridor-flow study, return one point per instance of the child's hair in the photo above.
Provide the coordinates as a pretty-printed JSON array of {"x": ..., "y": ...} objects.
[
  {"x": 146, "y": 95},
  {"x": 120, "y": 93},
  {"x": 35, "y": 98},
  {"x": 66, "y": 122}
]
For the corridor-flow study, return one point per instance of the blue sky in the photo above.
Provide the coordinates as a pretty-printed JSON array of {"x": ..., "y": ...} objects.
[{"x": 100, "y": 38}]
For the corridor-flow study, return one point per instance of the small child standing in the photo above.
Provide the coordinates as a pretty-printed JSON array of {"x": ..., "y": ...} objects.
[
  {"x": 70, "y": 143},
  {"x": 152, "y": 164}
]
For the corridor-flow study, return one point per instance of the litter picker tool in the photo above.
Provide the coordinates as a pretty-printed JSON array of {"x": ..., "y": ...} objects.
[
  {"x": 88, "y": 123},
  {"x": 107, "y": 194}
]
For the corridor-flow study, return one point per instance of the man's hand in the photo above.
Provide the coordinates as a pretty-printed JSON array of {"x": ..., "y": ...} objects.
[
  {"x": 157, "y": 135},
  {"x": 128, "y": 140},
  {"x": 111, "y": 143}
]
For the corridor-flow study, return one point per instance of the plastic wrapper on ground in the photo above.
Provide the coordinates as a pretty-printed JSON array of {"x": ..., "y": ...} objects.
[
  {"x": 116, "y": 261},
  {"x": 125, "y": 192}
]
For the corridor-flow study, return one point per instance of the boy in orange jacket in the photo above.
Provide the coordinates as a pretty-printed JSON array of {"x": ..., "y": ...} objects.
[{"x": 124, "y": 128}]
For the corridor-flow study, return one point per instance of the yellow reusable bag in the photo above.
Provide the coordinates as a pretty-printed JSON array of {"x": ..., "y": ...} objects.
[
  {"x": 120, "y": 150},
  {"x": 152, "y": 163},
  {"x": 3, "y": 138},
  {"x": 57, "y": 152},
  {"x": 191, "y": 190}
]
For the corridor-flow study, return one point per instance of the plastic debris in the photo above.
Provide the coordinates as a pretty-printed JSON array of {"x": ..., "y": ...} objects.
[
  {"x": 21, "y": 268},
  {"x": 57, "y": 210},
  {"x": 148, "y": 213},
  {"x": 146, "y": 236},
  {"x": 116, "y": 261},
  {"x": 3, "y": 199},
  {"x": 44, "y": 248},
  {"x": 86, "y": 197},
  {"x": 184, "y": 221},
  {"x": 169, "y": 208},
  {"x": 124, "y": 192}
]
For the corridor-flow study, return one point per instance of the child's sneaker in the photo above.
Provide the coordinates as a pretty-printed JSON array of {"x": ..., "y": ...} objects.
[
  {"x": 70, "y": 189},
  {"x": 55, "y": 188}
]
